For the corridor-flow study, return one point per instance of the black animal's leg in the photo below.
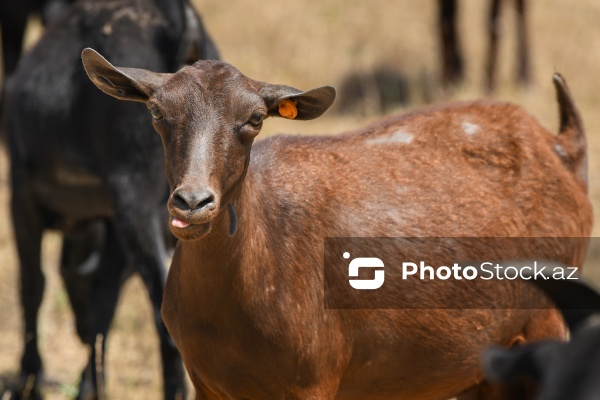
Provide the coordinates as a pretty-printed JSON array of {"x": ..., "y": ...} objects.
[
  {"x": 492, "y": 56},
  {"x": 523, "y": 69},
  {"x": 100, "y": 304},
  {"x": 28, "y": 229},
  {"x": 80, "y": 261},
  {"x": 452, "y": 63},
  {"x": 142, "y": 233}
]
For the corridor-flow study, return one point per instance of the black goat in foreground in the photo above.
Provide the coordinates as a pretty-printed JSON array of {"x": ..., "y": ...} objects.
[{"x": 559, "y": 370}]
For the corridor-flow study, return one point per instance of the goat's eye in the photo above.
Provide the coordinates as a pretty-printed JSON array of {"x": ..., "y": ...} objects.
[
  {"x": 256, "y": 120},
  {"x": 156, "y": 114}
]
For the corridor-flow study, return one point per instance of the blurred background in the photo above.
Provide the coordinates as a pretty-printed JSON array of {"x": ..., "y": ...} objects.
[{"x": 356, "y": 46}]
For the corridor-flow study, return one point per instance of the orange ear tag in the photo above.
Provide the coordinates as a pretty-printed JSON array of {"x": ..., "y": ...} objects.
[{"x": 287, "y": 109}]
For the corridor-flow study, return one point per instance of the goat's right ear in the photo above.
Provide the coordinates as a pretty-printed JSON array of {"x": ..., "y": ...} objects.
[
  {"x": 502, "y": 365},
  {"x": 132, "y": 84},
  {"x": 291, "y": 103}
]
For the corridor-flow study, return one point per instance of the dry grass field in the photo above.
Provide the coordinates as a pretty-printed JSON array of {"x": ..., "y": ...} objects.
[{"x": 306, "y": 44}]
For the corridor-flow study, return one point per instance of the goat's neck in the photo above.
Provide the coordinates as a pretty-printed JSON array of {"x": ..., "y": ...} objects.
[{"x": 219, "y": 255}]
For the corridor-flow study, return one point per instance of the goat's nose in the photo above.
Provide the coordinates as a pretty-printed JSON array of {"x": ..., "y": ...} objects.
[{"x": 185, "y": 200}]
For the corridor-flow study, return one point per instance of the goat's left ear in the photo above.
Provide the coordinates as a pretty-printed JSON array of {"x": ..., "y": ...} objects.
[
  {"x": 287, "y": 102},
  {"x": 132, "y": 84},
  {"x": 501, "y": 365}
]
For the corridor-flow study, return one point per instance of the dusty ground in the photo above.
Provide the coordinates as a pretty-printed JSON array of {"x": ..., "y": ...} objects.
[{"x": 307, "y": 44}]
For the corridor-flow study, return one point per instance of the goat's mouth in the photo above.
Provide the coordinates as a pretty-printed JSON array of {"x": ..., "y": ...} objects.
[
  {"x": 190, "y": 225},
  {"x": 177, "y": 223},
  {"x": 185, "y": 230}
]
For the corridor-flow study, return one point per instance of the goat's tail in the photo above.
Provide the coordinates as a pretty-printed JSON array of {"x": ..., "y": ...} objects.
[{"x": 571, "y": 143}]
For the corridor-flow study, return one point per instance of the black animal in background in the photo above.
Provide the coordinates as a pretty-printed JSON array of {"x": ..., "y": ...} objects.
[
  {"x": 92, "y": 167},
  {"x": 13, "y": 21},
  {"x": 559, "y": 370},
  {"x": 377, "y": 91},
  {"x": 452, "y": 58}
]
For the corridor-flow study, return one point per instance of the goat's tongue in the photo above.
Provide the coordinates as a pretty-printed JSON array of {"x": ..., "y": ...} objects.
[{"x": 177, "y": 223}]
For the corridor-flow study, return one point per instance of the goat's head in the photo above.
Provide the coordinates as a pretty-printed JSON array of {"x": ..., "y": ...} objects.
[{"x": 207, "y": 116}]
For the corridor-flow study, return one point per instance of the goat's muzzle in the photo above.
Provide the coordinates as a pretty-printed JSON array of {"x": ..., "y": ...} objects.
[{"x": 192, "y": 212}]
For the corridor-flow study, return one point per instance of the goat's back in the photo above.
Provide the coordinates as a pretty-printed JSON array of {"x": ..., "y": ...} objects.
[{"x": 467, "y": 169}]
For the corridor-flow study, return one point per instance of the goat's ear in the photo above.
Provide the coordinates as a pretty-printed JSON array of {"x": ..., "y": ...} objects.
[
  {"x": 501, "y": 365},
  {"x": 123, "y": 83},
  {"x": 287, "y": 102}
]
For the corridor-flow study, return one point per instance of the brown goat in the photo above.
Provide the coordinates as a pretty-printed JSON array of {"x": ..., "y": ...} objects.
[{"x": 244, "y": 299}]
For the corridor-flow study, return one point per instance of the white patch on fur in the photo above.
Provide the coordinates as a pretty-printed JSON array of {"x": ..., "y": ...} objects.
[
  {"x": 469, "y": 128},
  {"x": 399, "y": 136},
  {"x": 558, "y": 149}
]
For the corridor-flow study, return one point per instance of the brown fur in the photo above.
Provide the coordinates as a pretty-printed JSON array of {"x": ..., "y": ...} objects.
[{"x": 247, "y": 311}]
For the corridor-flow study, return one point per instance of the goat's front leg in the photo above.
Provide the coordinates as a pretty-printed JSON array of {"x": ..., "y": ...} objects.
[
  {"x": 94, "y": 286},
  {"x": 81, "y": 254},
  {"x": 28, "y": 229}
]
